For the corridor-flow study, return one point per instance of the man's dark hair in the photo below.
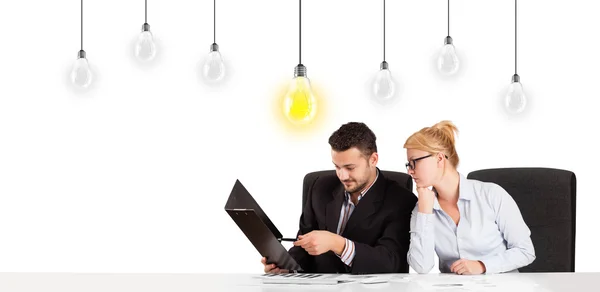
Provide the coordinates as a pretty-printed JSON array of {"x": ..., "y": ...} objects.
[{"x": 354, "y": 134}]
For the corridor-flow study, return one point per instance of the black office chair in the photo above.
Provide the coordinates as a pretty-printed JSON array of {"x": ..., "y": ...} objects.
[
  {"x": 547, "y": 200},
  {"x": 402, "y": 178}
]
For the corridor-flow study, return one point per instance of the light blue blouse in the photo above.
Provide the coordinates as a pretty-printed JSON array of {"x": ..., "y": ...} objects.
[{"x": 491, "y": 230}]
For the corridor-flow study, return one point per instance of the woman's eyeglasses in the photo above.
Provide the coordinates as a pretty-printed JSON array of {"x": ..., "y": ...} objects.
[{"x": 411, "y": 164}]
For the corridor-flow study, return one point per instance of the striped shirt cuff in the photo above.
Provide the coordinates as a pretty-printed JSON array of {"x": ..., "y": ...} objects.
[{"x": 348, "y": 254}]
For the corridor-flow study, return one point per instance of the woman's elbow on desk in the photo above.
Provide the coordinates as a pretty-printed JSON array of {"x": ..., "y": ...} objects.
[
  {"x": 528, "y": 252},
  {"x": 530, "y": 255},
  {"x": 420, "y": 269}
]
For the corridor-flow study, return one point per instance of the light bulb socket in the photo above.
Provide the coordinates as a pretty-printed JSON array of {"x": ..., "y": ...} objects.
[
  {"x": 300, "y": 71},
  {"x": 448, "y": 40},
  {"x": 384, "y": 65},
  {"x": 81, "y": 54},
  {"x": 214, "y": 47},
  {"x": 516, "y": 78},
  {"x": 146, "y": 27}
]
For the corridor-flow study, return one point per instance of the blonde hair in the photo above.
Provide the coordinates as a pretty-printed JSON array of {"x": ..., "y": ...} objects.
[{"x": 438, "y": 138}]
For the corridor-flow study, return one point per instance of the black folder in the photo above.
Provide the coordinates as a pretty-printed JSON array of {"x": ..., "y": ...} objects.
[{"x": 258, "y": 228}]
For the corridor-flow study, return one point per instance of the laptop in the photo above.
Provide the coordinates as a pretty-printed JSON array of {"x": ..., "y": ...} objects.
[{"x": 258, "y": 228}]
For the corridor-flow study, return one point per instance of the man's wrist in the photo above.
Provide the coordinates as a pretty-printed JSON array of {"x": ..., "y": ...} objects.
[{"x": 339, "y": 244}]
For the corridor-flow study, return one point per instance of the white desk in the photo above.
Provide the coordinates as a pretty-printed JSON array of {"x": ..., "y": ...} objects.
[{"x": 55, "y": 282}]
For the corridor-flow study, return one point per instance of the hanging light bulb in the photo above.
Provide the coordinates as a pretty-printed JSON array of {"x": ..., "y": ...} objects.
[
  {"x": 81, "y": 75},
  {"x": 384, "y": 87},
  {"x": 299, "y": 103},
  {"x": 448, "y": 62},
  {"x": 145, "y": 48},
  {"x": 383, "y": 84},
  {"x": 515, "y": 100},
  {"x": 214, "y": 69}
]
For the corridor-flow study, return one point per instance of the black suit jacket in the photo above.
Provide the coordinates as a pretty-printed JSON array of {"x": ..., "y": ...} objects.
[{"x": 379, "y": 227}]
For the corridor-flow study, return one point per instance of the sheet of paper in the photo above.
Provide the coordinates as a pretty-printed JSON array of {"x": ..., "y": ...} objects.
[
  {"x": 367, "y": 279},
  {"x": 479, "y": 283},
  {"x": 304, "y": 279},
  {"x": 329, "y": 279}
]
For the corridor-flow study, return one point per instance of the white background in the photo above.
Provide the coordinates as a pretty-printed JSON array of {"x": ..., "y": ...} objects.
[{"x": 133, "y": 175}]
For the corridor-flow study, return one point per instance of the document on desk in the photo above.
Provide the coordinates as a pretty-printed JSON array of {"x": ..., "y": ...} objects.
[
  {"x": 446, "y": 287},
  {"x": 302, "y": 279},
  {"x": 323, "y": 279},
  {"x": 479, "y": 283},
  {"x": 369, "y": 278},
  {"x": 448, "y": 283}
]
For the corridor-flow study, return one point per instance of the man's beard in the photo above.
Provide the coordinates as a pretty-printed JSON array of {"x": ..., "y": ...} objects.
[{"x": 358, "y": 188}]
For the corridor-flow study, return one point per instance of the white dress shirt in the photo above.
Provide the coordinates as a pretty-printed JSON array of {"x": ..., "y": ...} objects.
[{"x": 348, "y": 206}]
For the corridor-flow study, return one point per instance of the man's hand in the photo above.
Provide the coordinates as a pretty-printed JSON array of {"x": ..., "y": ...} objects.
[
  {"x": 320, "y": 241},
  {"x": 272, "y": 268},
  {"x": 467, "y": 267}
]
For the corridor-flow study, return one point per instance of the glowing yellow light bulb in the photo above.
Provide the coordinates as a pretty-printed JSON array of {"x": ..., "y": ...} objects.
[{"x": 299, "y": 104}]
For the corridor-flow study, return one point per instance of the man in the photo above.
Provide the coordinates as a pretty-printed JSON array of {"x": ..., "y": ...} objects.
[{"x": 359, "y": 224}]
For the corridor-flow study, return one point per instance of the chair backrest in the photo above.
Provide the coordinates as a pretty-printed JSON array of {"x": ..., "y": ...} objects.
[
  {"x": 547, "y": 200},
  {"x": 331, "y": 179}
]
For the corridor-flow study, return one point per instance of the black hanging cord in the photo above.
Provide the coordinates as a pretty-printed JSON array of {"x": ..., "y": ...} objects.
[
  {"x": 515, "y": 37},
  {"x": 300, "y": 32},
  {"x": 448, "y": 17},
  {"x": 82, "y": 25},
  {"x": 215, "y": 21}
]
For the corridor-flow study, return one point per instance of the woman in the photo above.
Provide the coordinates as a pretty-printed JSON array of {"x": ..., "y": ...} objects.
[{"x": 474, "y": 227}]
